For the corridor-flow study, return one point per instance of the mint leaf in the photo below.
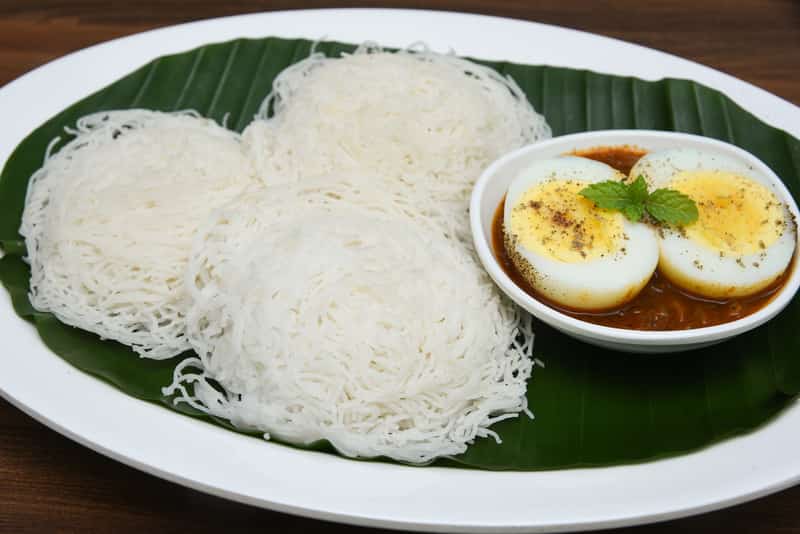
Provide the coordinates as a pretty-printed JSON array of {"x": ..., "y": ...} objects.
[
  {"x": 632, "y": 200},
  {"x": 633, "y": 212},
  {"x": 613, "y": 195},
  {"x": 671, "y": 207},
  {"x": 610, "y": 195},
  {"x": 638, "y": 191}
]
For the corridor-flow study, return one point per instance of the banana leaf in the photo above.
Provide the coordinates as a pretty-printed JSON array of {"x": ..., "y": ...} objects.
[{"x": 592, "y": 407}]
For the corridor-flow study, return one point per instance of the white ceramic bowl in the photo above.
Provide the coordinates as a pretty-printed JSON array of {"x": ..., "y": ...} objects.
[{"x": 494, "y": 182}]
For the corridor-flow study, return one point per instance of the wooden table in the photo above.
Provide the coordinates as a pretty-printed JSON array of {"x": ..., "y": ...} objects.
[{"x": 49, "y": 483}]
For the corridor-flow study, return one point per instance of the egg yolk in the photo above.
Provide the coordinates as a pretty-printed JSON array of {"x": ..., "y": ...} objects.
[
  {"x": 737, "y": 216},
  {"x": 553, "y": 220}
]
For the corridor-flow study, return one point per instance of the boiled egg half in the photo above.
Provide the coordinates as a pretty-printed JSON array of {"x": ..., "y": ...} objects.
[
  {"x": 744, "y": 238},
  {"x": 570, "y": 251}
]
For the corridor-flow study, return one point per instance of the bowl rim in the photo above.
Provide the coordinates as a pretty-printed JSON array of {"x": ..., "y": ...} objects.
[{"x": 571, "y": 325}]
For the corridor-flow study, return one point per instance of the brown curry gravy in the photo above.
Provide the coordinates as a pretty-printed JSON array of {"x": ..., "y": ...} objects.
[{"x": 660, "y": 305}]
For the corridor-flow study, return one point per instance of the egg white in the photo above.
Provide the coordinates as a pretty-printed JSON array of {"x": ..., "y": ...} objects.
[
  {"x": 658, "y": 168},
  {"x": 697, "y": 266},
  {"x": 595, "y": 284},
  {"x": 704, "y": 272}
]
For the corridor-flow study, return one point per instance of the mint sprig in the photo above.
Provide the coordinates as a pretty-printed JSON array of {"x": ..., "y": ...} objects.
[
  {"x": 671, "y": 207},
  {"x": 664, "y": 205}
]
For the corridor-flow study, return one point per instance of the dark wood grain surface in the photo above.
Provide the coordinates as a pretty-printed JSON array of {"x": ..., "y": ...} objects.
[{"x": 49, "y": 483}]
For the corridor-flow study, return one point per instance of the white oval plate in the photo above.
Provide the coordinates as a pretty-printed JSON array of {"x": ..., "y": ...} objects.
[{"x": 324, "y": 486}]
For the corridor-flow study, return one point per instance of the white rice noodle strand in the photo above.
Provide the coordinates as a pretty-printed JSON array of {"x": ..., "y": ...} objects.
[{"x": 109, "y": 220}]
